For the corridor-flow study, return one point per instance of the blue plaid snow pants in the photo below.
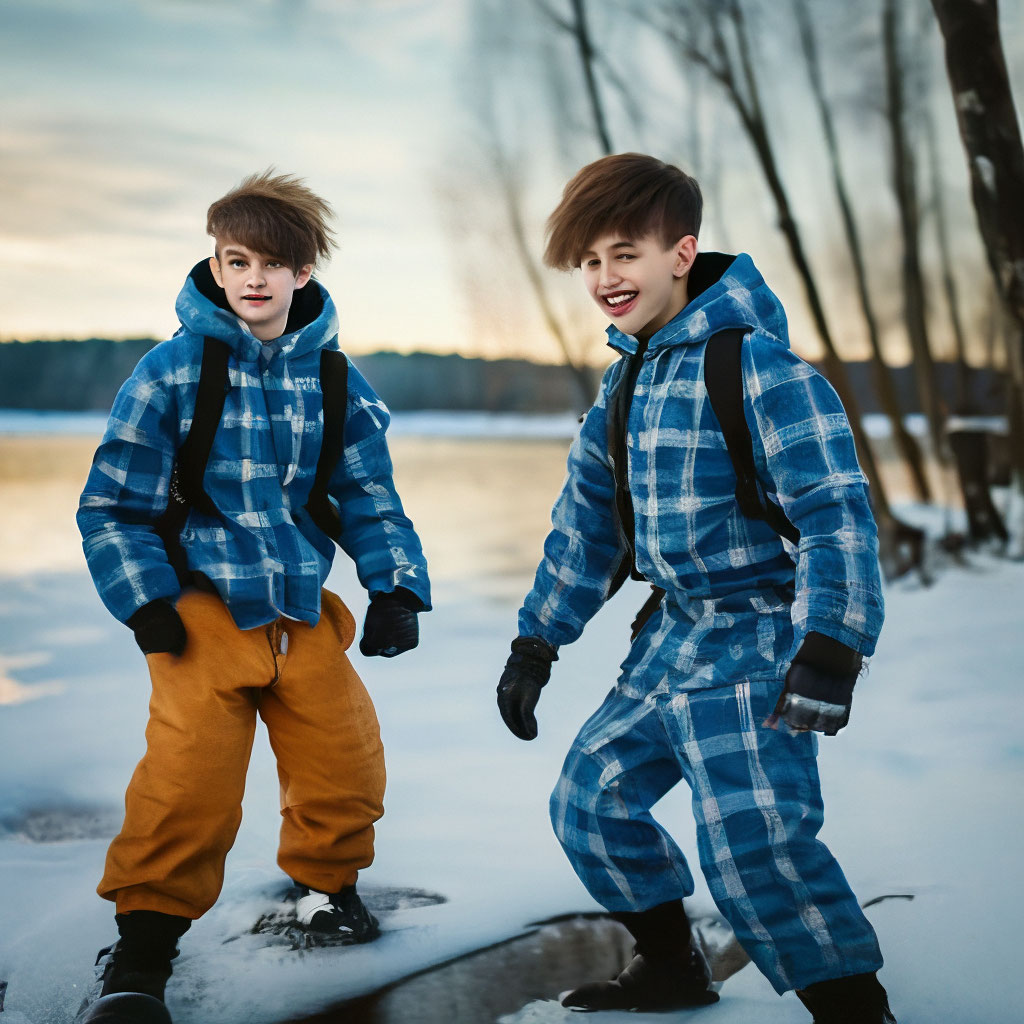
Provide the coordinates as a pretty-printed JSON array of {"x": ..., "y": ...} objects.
[{"x": 757, "y": 803}]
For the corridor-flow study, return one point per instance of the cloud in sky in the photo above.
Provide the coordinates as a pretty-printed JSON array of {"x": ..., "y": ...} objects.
[{"x": 123, "y": 121}]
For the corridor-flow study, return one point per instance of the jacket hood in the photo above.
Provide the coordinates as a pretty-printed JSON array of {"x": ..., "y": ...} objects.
[
  {"x": 202, "y": 307},
  {"x": 725, "y": 292}
]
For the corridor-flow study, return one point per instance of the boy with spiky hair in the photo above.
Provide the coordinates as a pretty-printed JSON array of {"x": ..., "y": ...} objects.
[
  {"x": 747, "y": 631},
  {"x": 222, "y": 583}
]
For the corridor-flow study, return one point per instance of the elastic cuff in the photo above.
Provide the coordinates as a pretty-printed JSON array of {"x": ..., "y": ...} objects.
[
  {"x": 828, "y": 654},
  {"x": 406, "y": 598},
  {"x": 535, "y": 646}
]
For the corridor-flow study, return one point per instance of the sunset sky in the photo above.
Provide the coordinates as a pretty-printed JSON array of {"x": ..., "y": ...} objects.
[{"x": 121, "y": 120}]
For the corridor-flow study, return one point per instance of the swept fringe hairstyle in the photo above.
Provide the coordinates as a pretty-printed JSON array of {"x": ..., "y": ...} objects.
[
  {"x": 628, "y": 193},
  {"x": 275, "y": 215}
]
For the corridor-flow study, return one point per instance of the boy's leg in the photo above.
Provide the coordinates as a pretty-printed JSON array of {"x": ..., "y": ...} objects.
[
  {"x": 183, "y": 805},
  {"x": 324, "y": 732},
  {"x": 757, "y": 801},
  {"x": 617, "y": 768}
]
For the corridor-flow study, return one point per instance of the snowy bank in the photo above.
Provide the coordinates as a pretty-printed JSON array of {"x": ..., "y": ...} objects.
[{"x": 921, "y": 790}]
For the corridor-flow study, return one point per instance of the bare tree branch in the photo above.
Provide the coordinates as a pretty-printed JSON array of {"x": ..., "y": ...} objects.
[
  {"x": 581, "y": 31},
  {"x": 904, "y": 179},
  {"x": 553, "y": 16},
  {"x": 511, "y": 192},
  {"x": 634, "y": 111},
  {"x": 884, "y": 382},
  {"x": 723, "y": 67}
]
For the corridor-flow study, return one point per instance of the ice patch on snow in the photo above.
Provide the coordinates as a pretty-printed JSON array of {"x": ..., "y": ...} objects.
[{"x": 61, "y": 824}]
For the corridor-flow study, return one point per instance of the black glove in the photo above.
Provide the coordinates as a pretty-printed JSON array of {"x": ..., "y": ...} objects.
[
  {"x": 526, "y": 671},
  {"x": 391, "y": 626},
  {"x": 819, "y": 686},
  {"x": 158, "y": 628}
]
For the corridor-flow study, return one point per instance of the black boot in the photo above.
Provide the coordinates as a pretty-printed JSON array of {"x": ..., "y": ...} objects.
[
  {"x": 856, "y": 999},
  {"x": 667, "y": 972},
  {"x": 140, "y": 960}
]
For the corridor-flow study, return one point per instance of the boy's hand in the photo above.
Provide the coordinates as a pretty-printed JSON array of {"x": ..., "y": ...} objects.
[
  {"x": 526, "y": 671},
  {"x": 158, "y": 628},
  {"x": 391, "y": 626},
  {"x": 819, "y": 687}
]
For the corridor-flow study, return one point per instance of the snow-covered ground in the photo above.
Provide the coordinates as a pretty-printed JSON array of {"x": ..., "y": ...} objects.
[
  {"x": 922, "y": 794},
  {"x": 420, "y": 423}
]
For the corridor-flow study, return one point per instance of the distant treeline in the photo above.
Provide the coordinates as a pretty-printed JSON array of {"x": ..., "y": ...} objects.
[{"x": 77, "y": 376}]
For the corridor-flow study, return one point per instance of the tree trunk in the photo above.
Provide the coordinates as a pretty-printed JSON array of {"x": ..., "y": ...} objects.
[
  {"x": 900, "y": 545},
  {"x": 991, "y": 137},
  {"x": 905, "y": 188},
  {"x": 905, "y": 441},
  {"x": 964, "y": 401},
  {"x": 587, "y": 56},
  {"x": 585, "y": 384},
  {"x": 752, "y": 117}
]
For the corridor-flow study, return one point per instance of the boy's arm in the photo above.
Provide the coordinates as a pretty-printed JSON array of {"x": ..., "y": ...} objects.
[
  {"x": 375, "y": 532},
  {"x": 583, "y": 550},
  {"x": 126, "y": 492},
  {"x": 804, "y": 446}
]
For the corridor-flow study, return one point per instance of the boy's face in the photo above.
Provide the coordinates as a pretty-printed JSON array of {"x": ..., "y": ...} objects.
[
  {"x": 637, "y": 282},
  {"x": 259, "y": 288}
]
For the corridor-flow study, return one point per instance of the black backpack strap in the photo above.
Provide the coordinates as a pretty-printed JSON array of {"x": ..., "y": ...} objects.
[
  {"x": 334, "y": 388},
  {"x": 723, "y": 378},
  {"x": 186, "y": 486},
  {"x": 620, "y": 401},
  {"x": 617, "y": 455}
]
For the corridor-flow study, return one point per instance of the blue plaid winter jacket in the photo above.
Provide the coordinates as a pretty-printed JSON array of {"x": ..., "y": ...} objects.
[
  {"x": 261, "y": 551},
  {"x": 738, "y": 600}
]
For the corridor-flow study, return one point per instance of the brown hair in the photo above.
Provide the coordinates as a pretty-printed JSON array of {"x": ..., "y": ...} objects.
[
  {"x": 631, "y": 193},
  {"x": 274, "y": 215}
]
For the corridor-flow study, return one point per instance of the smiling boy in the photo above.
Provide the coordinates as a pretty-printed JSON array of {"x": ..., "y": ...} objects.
[
  {"x": 747, "y": 629},
  {"x": 229, "y": 606}
]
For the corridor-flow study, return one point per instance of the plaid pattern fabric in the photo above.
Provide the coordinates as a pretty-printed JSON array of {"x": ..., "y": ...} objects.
[
  {"x": 262, "y": 551},
  {"x": 757, "y": 803},
  {"x": 738, "y": 601}
]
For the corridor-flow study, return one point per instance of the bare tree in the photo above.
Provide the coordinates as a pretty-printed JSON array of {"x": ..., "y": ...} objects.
[
  {"x": 729, "y": 61},
  {"x": 579, "y": 29},
  {"x": 905, "y": 442},
  {"x": 511, "y": 192},
  {"x": 506, "y": 174},
  {"x": 904, "y": 178},
  {"x": 963, "y": 401},
  {"x": 991, "y": 136},
  {"x": 576, "y": 25}
]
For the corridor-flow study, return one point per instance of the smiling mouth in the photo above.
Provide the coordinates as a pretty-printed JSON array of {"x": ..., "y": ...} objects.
[{"x": 618, "y": 302}]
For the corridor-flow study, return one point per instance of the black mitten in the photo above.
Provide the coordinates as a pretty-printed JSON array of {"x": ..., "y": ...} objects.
[
  {"x": 526, "y": 671},
  {"x": 158, "y": 628},
  {"x": 391, "y": 626},
  {"x": 819, "y": 686}
]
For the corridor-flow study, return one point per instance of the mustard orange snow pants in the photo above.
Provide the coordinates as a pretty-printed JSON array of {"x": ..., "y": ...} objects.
[{"x": 183, "y": 806}]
